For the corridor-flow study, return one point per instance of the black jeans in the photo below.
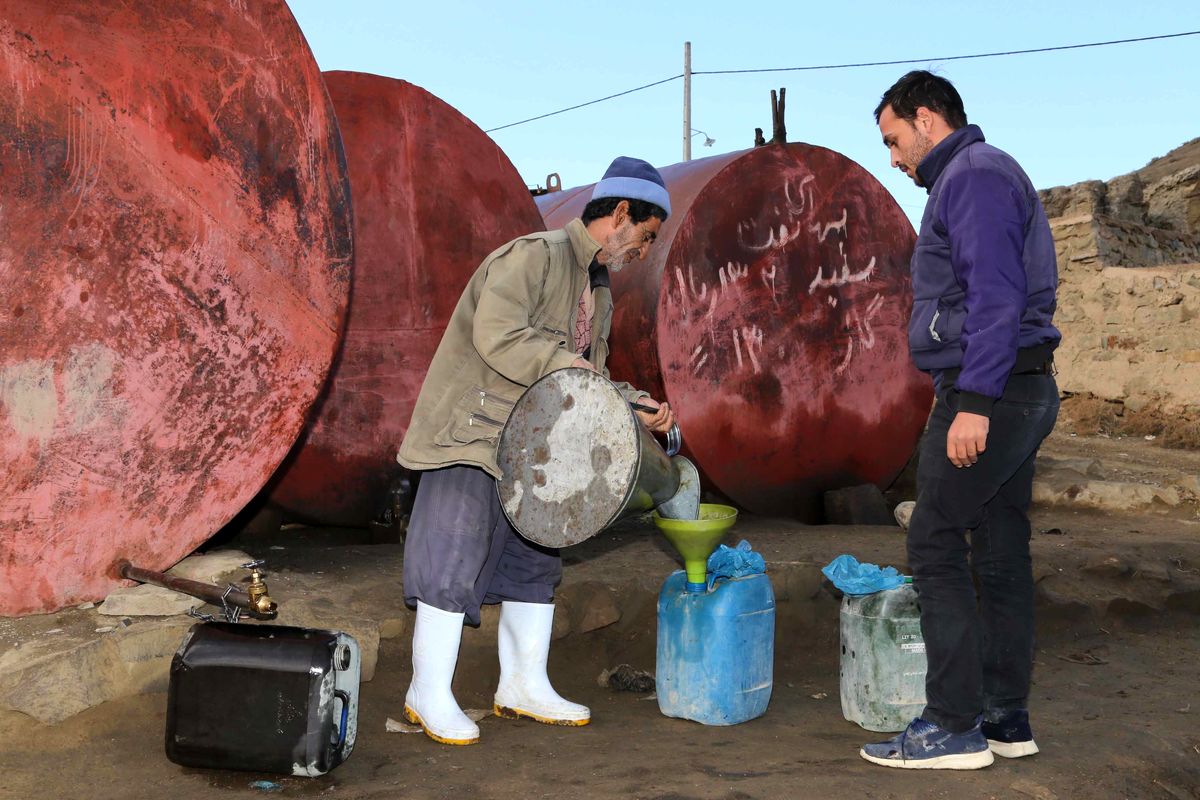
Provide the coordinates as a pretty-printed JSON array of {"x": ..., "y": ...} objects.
[{"x": 980, "y": 650}]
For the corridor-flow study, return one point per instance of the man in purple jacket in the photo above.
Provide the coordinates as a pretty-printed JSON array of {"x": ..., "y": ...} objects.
[{"x": 984, "y": 278}]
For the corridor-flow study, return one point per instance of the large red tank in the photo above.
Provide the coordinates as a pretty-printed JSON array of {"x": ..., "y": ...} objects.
[
  {"x": 771, "y": 313},
  {"x": 174, "y": 267},
  {"x": 433, "y": 195}
]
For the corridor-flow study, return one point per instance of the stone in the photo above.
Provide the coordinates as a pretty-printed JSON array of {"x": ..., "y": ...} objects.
[
  {"x": 562, "y": 619},
  {"x": 1156, "y": 573},
  {"x": 55, "y": 685},
  {"x": 857, "y": 505},
  {"x": 1030, "y": 789},
  {"x": 146, "y": 651},
  {"x": 396, "y": 627},
  {"x": 219, "y": 567},
  {"x": 1109, "y": 567},
  {"x": 593, "y": 606},
  {"x": 1042, "y": 571},
  {"x": 1079, "y": 467},
  {"x": 1104, "y": 495},
  {"x": 1124, "y": 607},
  {"x": 903, "y": 513},
  {"x": 1137, "y": 402},
  {"x": 1189, "y": 484},
  {"x": 146, "y": 600}
]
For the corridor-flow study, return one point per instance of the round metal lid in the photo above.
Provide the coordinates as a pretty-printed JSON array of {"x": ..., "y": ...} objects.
[{"x": 568, "y": 458}]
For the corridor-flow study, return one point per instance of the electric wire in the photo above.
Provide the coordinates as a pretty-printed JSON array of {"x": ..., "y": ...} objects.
[
  {"x": 945, "y": 58},
  {"x": 588, "y": 103},
  {"x": 847, "y": 66}
]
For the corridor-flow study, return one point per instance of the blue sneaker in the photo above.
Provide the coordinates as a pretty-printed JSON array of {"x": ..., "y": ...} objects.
[
  {"x": 924, "y": 745},
  {"x": 1008, "y": 733}
]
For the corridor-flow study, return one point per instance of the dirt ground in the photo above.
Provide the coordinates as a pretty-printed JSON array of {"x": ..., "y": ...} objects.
[{"x": 1114, "y": 704}]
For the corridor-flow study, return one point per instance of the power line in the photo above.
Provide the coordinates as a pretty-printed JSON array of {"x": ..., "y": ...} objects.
[
  {"x": 946, "y": 58},
  {"x": 588, "y": 103},
  {"x": 844, "y": 66}
]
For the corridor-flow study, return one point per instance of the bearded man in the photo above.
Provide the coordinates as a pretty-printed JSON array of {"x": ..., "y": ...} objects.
[
  {"x": 537, "y": 304},
  {"x": 984, "y": 279}
]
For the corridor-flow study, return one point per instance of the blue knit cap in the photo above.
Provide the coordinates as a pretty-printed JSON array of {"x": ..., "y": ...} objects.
[{"x": 633, "y": 179}]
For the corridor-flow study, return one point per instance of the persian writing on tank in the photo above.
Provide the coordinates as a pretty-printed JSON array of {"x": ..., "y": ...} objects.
[{"x": 797, "y": 255}]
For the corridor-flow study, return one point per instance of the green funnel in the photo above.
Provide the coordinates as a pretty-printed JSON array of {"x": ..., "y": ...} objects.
[{"x": 695, "y": 539}]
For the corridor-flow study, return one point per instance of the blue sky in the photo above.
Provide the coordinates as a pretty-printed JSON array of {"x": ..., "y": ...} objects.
[{"x": 1066, "y": 116}]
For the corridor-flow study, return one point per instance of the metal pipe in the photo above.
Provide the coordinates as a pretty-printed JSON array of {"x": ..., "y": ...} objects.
[{"x": 209, "y": 593}]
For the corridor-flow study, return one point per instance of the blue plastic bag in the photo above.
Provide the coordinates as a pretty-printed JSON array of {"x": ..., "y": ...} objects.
[
  {"x": 847, "y": 574},
  {"x": 734, "y": 562}
]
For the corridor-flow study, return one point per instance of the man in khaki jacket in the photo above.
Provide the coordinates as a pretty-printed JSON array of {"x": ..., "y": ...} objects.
[{"x": 539, "y": 303}]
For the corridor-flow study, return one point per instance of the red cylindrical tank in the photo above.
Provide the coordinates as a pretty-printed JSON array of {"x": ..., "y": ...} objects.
[
  {"x": 174, "y": 267},
  {"x": 771, "y": 313},
  {"x": 433, "y": 195}
]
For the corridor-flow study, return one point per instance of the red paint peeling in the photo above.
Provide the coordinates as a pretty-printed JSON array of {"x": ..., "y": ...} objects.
[
  {"x": 433, "y": 195},
  {"x": 772, "y": 314},
  {"x": 174, "y": 324}
]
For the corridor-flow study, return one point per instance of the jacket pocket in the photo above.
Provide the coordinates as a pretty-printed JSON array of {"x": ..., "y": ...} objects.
[
  {"x": 478, "y": 415},
  {"x": 553, "y": 330},
  {"x": 946, "y": 325},
  {"x": 923, "y": 326}
]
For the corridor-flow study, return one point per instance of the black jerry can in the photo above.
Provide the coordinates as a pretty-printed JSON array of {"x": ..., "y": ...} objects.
[{"x": 263, "y": 698}]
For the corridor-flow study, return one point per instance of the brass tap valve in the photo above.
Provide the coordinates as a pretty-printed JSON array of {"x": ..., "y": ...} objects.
[{"x": 260, "y": 601}]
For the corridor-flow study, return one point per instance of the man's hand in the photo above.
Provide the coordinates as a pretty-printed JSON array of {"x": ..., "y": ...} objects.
[
  {"x": 583, "y": 363},
  {"x": 966, "y": 439},
  {"x": 659, "y": 422}
]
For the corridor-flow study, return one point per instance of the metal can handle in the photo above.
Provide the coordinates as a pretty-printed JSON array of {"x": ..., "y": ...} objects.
[
  {"x": 674, "y": 436},
  {"x": 674, "y": 440}
]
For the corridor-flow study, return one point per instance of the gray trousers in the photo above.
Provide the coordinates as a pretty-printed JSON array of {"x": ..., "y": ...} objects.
[{"x": 461, "y": 551}]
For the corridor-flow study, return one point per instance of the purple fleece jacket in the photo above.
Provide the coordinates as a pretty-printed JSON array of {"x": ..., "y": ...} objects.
[{"x": 984, "y": 269}]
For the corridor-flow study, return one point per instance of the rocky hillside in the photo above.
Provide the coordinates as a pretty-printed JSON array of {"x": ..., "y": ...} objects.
[
  {"x": 1149, "y": 217},
  {"x": 1129, "y": 296}
]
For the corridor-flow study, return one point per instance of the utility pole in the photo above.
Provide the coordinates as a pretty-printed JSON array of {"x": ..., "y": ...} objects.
[{"x": 687, "y": 101}]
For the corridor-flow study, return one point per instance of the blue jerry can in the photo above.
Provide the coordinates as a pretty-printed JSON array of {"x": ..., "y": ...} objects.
[{"x": 716, "y": 649}]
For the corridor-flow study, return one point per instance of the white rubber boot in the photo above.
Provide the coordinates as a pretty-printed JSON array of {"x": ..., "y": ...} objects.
[
  {"x": 525, "y": 689},
  {"x": 429, "y": 702}
]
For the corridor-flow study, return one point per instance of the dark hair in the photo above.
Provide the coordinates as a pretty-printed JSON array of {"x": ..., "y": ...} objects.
[
  {"x": 920, "y": 88},
  {"x": 639, "y": 210}
]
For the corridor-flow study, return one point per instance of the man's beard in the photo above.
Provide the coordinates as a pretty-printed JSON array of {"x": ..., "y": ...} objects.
[
  {"x": 916, "y": 154},
  {"x": 618, "y": 256}
]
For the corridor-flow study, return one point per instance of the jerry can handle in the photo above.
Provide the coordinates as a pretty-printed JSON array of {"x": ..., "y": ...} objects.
[{"x": 344, "y": 696}]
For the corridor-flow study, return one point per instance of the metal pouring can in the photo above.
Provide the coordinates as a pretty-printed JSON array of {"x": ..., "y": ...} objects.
[{"x": 574, "y": 459}]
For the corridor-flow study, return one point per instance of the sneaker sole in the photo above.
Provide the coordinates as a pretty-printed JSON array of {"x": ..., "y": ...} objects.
[
  {"x": 1012, "y": 749},
  {"x": 519, "y": 713},
  {"x": 959, "y": 761},
  {"x": 415, "y": 719}
]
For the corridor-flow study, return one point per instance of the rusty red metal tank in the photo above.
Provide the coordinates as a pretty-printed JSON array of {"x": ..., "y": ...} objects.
[
  {"x": 433, "y": 195},
  {"x": 175, "y": 247},
  {"x": 771, "y": 314}
]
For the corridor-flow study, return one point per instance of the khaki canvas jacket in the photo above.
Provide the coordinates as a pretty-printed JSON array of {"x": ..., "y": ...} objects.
[{"x": 512, "y": 325}]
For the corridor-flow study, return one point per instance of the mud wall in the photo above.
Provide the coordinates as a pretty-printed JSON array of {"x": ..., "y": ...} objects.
[
  {"x": 1130, "y": 335},
  {"x": 1129, "y": 284}
]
